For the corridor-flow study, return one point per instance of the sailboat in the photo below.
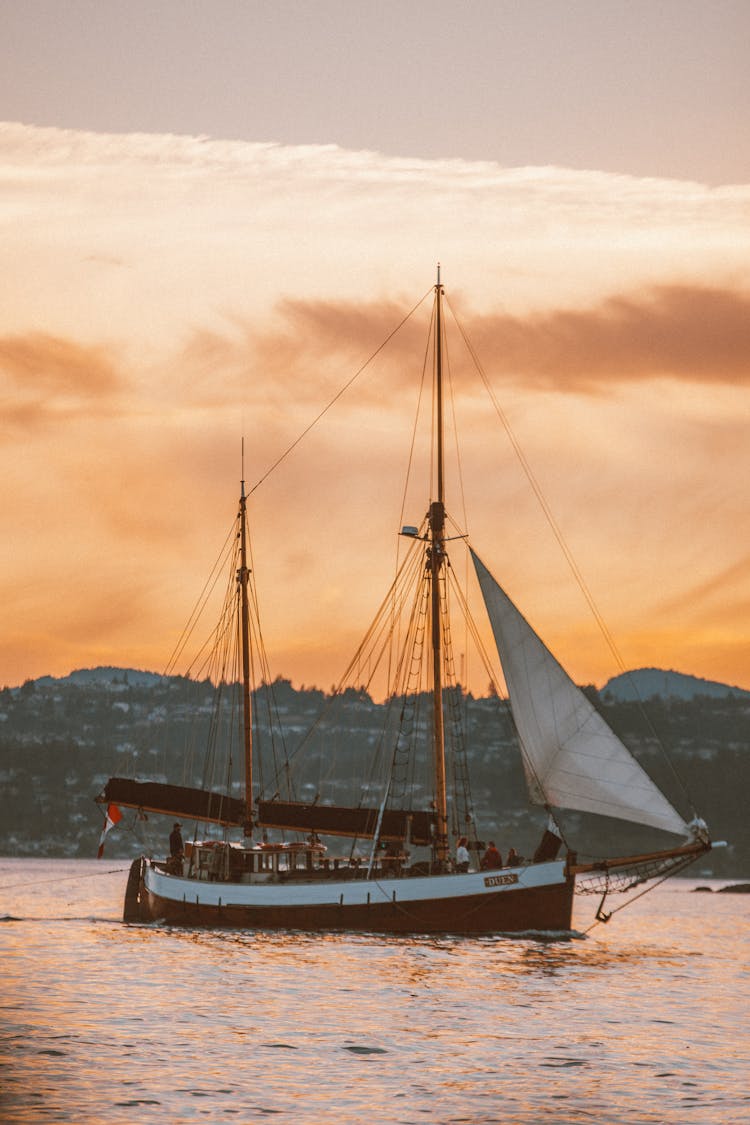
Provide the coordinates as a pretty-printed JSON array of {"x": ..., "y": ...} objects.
[{"x": 413, "y": 861}]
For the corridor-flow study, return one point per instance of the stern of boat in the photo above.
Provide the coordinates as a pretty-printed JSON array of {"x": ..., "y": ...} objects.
[{"x": 134, "y": 907}]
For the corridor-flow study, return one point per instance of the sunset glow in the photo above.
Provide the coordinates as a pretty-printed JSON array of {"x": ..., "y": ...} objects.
[{"x": 165, "y": 296}]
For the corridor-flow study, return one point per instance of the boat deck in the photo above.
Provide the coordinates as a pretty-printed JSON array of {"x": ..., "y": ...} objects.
[{"x": 217, "y": 862}]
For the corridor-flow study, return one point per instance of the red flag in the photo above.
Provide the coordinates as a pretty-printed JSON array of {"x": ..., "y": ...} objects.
[{"x": 113, "y": 816}]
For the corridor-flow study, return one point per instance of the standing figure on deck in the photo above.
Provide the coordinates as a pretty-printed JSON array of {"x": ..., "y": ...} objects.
[
  {"x": 462, "y": 855},
  {"x": 176, "y": 846}
]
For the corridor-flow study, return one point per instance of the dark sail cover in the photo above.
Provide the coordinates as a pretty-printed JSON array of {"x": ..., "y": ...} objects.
[
  {"x": 338, "y": 820},
  {"x": 174, "y": 800}
]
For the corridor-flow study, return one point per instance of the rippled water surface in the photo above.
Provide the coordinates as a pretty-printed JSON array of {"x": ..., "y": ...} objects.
[{"x": 643, "y": 1020}]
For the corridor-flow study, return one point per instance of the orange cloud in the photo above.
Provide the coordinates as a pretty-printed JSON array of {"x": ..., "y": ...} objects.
[
  {"x": 691, "y": 333},
  {"x": 685, "y": 332},
  {"x": 50, "y": 375},
  {"x": 308, "y": 350}
]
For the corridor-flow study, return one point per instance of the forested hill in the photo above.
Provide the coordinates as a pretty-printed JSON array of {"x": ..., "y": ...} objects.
[
  {"x": 645, "y": 683},
  {"x": 61, "y": 739}
]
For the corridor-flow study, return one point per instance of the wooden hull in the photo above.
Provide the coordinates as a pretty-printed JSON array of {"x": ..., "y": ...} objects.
[{"x": 538, "y": 897}]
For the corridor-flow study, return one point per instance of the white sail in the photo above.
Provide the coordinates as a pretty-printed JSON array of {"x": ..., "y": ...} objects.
[{"x": 571, "y": 757}]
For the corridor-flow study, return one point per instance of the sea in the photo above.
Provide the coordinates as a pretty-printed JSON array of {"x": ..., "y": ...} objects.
[{"x": 644, "y": 1019}]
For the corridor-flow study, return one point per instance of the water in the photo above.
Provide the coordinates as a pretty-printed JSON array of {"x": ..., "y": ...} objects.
[{"x": 643, "y": 1020}]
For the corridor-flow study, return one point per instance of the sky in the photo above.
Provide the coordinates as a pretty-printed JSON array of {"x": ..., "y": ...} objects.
[{"x": 213, "y": 215}]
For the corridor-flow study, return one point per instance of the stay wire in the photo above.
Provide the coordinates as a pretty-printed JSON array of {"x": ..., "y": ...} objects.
[
  {"x": 652, "y": 885},
  {"x": 66, "y": 878},
  {"x": 337, "y": 396}
]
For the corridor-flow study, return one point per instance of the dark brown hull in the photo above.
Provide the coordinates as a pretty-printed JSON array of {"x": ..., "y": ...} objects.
[{"x": 541, "y": 909}]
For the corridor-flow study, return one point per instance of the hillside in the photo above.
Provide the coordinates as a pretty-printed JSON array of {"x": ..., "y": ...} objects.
[
  {"x": 647, "y": 683},
  {"x": 61, "y": 739}
]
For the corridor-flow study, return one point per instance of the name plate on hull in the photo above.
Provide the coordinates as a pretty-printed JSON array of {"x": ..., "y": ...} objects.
[{"x": 500, "y": 880}]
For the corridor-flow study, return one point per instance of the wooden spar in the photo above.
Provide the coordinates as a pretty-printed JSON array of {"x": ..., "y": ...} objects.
[
  {"x": 436, "y": 558},
  {"x": 173, "y": 800},
  {"x": 695, "y": 849},
  {"x": 247, "y": 718}
]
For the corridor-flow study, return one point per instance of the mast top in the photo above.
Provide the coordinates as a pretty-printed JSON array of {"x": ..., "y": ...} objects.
[{"x": 438, "y": 273}]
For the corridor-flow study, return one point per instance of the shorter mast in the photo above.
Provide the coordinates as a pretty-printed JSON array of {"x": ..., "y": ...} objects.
[{"x": 247, "y": 717}]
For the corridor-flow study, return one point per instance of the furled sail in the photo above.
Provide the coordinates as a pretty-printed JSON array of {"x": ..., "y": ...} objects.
[
  {"x": 174, "y": 800},
  {"x": 415, "y": 825},
  {"x": 571, "y": 757}
]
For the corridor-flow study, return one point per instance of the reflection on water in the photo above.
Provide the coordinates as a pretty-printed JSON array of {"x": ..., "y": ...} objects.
[{"x": 642, "y": 1021}]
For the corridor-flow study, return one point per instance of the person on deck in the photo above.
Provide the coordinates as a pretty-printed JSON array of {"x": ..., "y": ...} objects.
[
  {"x": 176, "y": 846},
  {"x": 462, "y": 855},
  {"x": 393, "y": 858},
  {"x": 491, "y": 858}
]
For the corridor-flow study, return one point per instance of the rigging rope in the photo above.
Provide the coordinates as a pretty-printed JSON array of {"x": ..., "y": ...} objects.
[
  {"x": 602, "y": 917},
  {"x": 200, "y": 605},
  {"x": 65, "y": 878},
  {"x": 337, "y": 396},
  {"x": 371, "y": 651}
]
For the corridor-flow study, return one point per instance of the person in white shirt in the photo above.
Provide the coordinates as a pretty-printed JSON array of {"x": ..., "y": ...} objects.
[{"x": 462, "y": 855}]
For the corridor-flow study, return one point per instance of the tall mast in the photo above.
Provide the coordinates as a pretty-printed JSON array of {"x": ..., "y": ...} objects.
[
  {"x": 247, "y": 718},
  {"x": 436, "y": 556}
]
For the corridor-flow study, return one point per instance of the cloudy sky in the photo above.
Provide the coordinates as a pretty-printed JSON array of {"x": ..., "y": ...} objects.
[{"x": 213, "y": 214}]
